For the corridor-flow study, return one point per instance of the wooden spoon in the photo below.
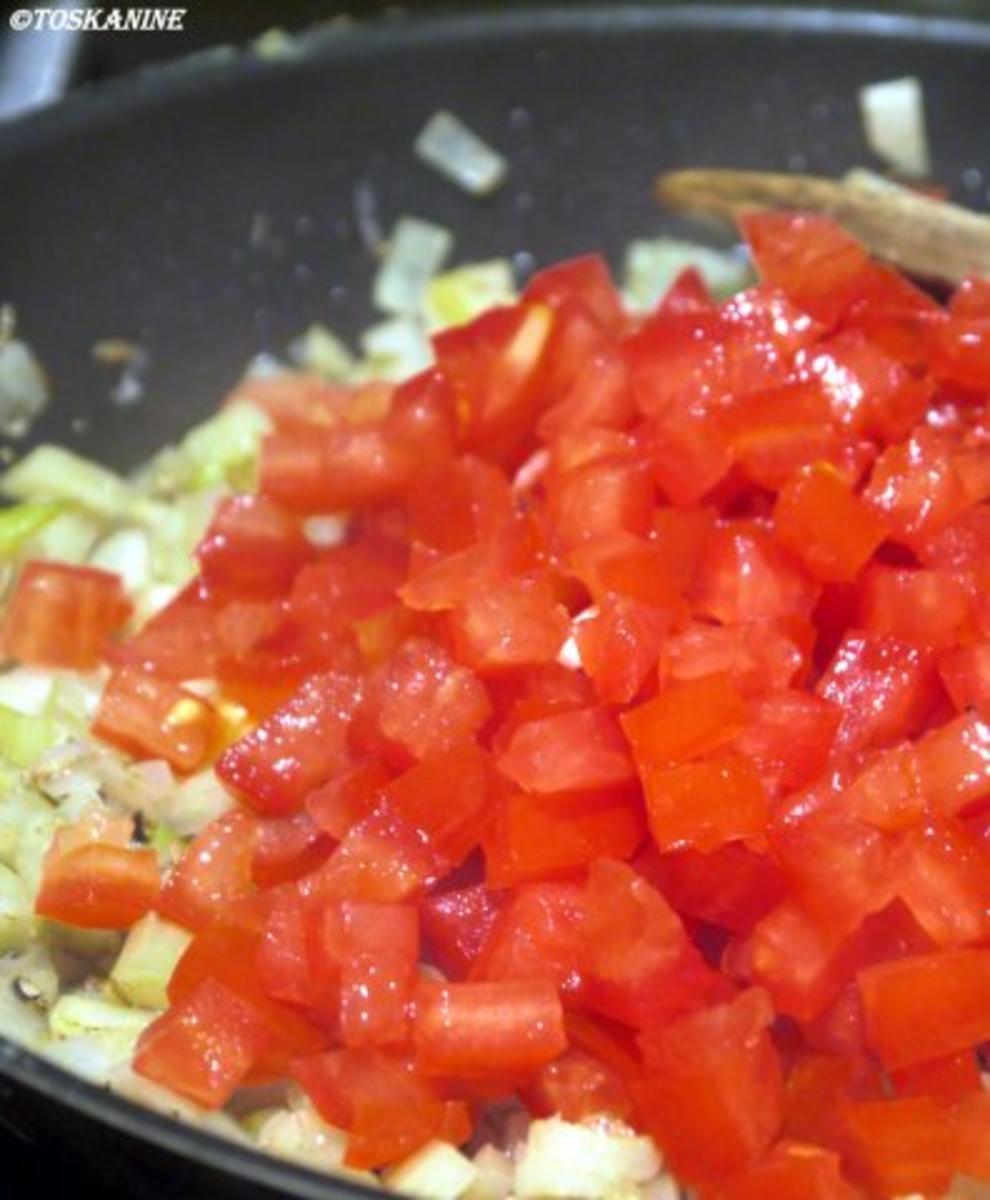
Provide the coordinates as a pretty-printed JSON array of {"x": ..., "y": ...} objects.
[{"x": 923, "y": 236}]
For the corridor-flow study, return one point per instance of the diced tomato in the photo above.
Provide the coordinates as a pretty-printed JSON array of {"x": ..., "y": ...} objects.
[
  {"x": 347, "y": 584},
  {"x": 916, "y": 488},
  {"x": 816, "y": 262},
  {"x": 705, "y": 804},
  {"x": 926, "y": 607},
  {"x": 972, "y": 1148},
  {"x": 215, "y": 870},
  {"x": 788, "y": 735},
  {"x": 611, "y": 494},
  {"x": 953, "y": 764},
  {"x": 619, "y": 644},
  {"x": 347, "y": 798},
  {"x": 586, "y": 279},
  {"x": 640, "y": 967},
  {"x": 688, "y": 452},
  {"x": 887, "y": 792},
  {"x": 821, "y": 519},
  {"x": 943, "y": 875},
  {"x": 203, "y": 1048},
  {"x": 948, "y": 1079},
  {"x": 448, "y": 799},
  {"x": 287, "y": 848},
  {"x": 62, "y": 616},
  {"x": 744, "y": 576},
  {"x": 733, "y": 886},
  {"x": 568, "y": 752},
  {"x": 509, "y": 623},
  {"x": 387, "y": 1111},
  {"x": 426, "y": 702},
  {"x": 898, "y": 1147},
  {"x": 295, "y": 749},
  {"x": 252, "y": 548},
  {"x": 536, "y": 934},
  {"x": 883, "y": 687},
  {"x": 965, "y": 673},
  {"x": 150, "y": 717},
  {"x": 294, "y": 400},
  {"x": 578, "y": 1086},
  {"x": 685, "y": 722},
  {"x": 549, "y": 836},
  {"x": 761, "y": 656},
  {"x": 379, "y": 949},
  {"x": 924, "y": 1006},
  {"x": 457, "y": 925},
  {"x": 712, "y": 1098},
  {"x": 508, "y": 1027},
  {"x": 791, "y": 1171},
  {"x": 97, "y": 885},
  {"x": 179, "y": 642}
]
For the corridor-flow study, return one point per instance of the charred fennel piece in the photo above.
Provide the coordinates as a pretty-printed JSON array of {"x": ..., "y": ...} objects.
[{"x": 929, "y": 238}]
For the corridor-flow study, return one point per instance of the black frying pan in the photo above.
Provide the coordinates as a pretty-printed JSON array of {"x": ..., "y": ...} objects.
[{"x": 127, "y": 211}]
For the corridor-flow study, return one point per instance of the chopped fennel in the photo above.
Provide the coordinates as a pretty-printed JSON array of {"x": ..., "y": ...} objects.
[
  {"x": 456, "y": 152},
  {"x": 396, "y": 348},
  {"x": 52, "y": 473},
  {"x": 435, "y": 1171},
  {"x": 319, "y": 351},
  {"x": 416, "y": 251},
  {"x": 893, "y": 115},
  {"x": 582, "y": 1162},
  {"x": 16, "y": 912},
  {"x": 146, "y": 961},
  {"x": 21, "y": 522}
]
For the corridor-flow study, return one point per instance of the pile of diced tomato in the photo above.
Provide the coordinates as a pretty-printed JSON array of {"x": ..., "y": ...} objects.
[{"x": 631, "y": 754}]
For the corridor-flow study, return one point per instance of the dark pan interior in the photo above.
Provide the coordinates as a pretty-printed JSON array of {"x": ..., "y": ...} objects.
[{"x": 129, "y": 211}]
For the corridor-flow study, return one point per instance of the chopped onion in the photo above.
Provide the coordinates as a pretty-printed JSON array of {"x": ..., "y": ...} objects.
[
  {"x": 456, "y": 152},
  {"x": 652, "y": 266},
  {"x": 463, "y": 294},
  {"x": 396, "y": 349},
  {"x": 26, "y": 689},
  {"x": 416, "y": 251},
  {"x": 435, "y": 1171},
  {"x": 319, "y": 351},
  {"x": 326, "y": 530},
  {"x": 23, "y": 388},
  {"x": 53, "y": 473},
  {"x": 582, "y": 1162},
  {"x": 126, "y": 553},
  {"x": 893, "y": 115}
]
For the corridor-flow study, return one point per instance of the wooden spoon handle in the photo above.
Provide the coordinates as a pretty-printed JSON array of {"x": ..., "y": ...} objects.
[{"x": 923, "y": 236}]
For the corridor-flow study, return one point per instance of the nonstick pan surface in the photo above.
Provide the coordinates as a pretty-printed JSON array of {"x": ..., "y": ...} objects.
[{"x": 206, "y": 210}]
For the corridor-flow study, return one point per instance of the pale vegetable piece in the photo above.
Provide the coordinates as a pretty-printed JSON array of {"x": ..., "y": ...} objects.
[
  {"x": 194, "y": 803},
  {"x": 27, "y": 690},
  {"x": 495, "y": 1177},
  {"x": 115, "y": 1027},
  {"x": 21, "y": 522},
  {"x": 28, "y": 986},
  {"x": 225, "y": 448},
  {"x": 53, "y": 473},
  {"x": 319, "y": 351},
  {"x": 452, "y": 148},
  {"x": 19, "y": 807},
  {"x": 416, "y": 251},
  {"x": 75, "y": 698},
  {"x": 893, "y": 115},
  {"x": 126, "y": 553},
  {"x": 326, "y": 531},
  {"x": 23, "y": 387},
  {"x": 651, "y": 266},
  {"x": 147, "y": 960},
  {"x": 23, "y": 739},
  {"x": 69, "y": 537},
  {"x": 16, "y": 912},
  {"x": 434, "y": 1172},
  {"x": 34, "y": 836},
  {"x": 396, "y": 349},
  {"x": 582, "y": 1162},
  {"x": 466, "y": 292},
  {"x": 300, "y": 1136}
]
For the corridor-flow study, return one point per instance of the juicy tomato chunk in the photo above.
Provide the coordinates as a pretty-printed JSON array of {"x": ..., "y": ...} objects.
[
  {"x": 151, "y": 717},
  {"x": 63, "y": 616},
  {"x": 685, "y": 722},
  {"x": 896, "y": 1147},
  {"x": 568, "y": 752},
  {"x": 295, "y": 749},
  {"x": 713, "y": 1095},
  {"x": 506, "y": 1027},
  {"x": 379, "y": 949},
  {"x": 215, "y": 870},
  {"x": 705, "y": 804},
  {"x": 791, "y": 1171},
  {"x": 252, "y": 548},
  {"x": 97, "y": 885},
  {"x": 536, "y": 934}
]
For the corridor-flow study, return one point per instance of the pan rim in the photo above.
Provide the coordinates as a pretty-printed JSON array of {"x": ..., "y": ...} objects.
[{"x": 225, "y": 66}]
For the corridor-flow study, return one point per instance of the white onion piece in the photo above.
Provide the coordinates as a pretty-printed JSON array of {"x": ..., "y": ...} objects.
[
  {"x": 23, "y": 388},
  {"x": 396, "y": 349},
  {"x": 26, "y": 690},
  {"x": 456, "y": 152},
  {"x": 325, "y": 530},
  {"x": 416, "y": 251},
  {"x": 893, "y": 115}
]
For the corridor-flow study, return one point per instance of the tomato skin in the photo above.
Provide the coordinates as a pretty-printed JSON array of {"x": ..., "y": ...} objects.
[
  {"x": 570, "y": 751},
  {"x": 705, "y": 804},
  {"x": 276, "y": 764},
  {"x": 551, "y": 836},
  {"x": 821, "y": 519},
  {"x": 924, "y": 1006},
  {"x": 712, "y": 1095},
  {"x": 685, "y": 722},
  {"x": 151, "y": 717},
  {"x": 943, "y": 875},
  {"x": 97, "y": 885},
  {"x": 689, "y": 454},
  {"x": 63, "y": 616},
  {"x": 203, "y": 1048},
  {"x": 508, "y": 1027}
]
